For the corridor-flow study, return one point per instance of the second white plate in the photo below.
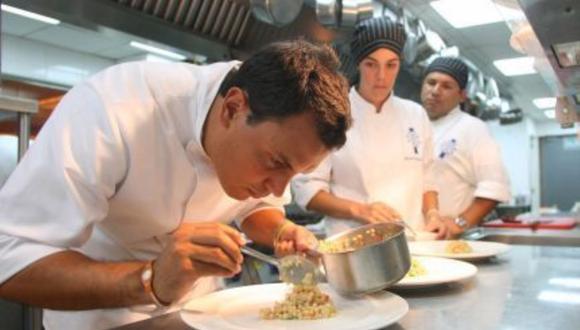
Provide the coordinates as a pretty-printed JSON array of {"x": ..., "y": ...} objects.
[
  {"x": 437, "y": 249},
  {"x": 438, "y": 271}
]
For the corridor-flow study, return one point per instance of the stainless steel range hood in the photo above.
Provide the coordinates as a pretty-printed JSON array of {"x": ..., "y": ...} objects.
[
  {"x": 555, "y": 23},
  {"x": 217, "y": 29}
]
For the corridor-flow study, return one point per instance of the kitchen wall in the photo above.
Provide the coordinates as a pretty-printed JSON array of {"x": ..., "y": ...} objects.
[
  {"x": 515, "y": 141},
  {"x": 8, "y": 156},
  {"x": 42, "y": 62},
  {"x": 520, "y": 151}
]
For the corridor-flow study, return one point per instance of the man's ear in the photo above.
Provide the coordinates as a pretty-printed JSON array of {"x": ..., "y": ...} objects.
[
  {"x": 235, "y": 106},
  {"x": 463, "y": 95}
]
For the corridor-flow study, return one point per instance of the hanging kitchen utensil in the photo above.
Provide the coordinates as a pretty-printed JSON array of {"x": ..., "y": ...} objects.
[
  {"x": 276, "y": 12},
  {"x": 411, "y": 27},
  {"x": 428, "y": 43},
  {"x": 493, "y": 101},
  {"x": 354, "y": 11},
  {"x": 328, "y": 13},
  {"x": 475, "y": 84}
]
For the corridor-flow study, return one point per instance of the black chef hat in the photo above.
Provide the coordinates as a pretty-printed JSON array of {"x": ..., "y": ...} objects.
[
  {"x": 374, "y": 33},
  {"x": 451, "y": 66}
]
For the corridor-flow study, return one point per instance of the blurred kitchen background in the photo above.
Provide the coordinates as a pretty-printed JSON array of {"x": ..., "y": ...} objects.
[{"x": 524, "y": 59}]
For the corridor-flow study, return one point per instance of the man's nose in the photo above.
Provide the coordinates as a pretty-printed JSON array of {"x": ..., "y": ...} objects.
[
  {"x": 436, "y": 89},
  {"x": 276, "y": 184},
  {"x": 382, "y": 73}
]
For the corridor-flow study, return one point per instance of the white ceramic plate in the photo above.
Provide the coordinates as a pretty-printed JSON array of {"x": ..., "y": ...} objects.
[
  {"x": 437, "y": 249},
  {"x": 422, "y": 236},
  {"x": 439, "y": 271},
  {"x": 238, "y": 309}
]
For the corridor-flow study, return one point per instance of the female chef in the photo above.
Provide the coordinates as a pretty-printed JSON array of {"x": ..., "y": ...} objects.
[{"x": 383, "y": 173}]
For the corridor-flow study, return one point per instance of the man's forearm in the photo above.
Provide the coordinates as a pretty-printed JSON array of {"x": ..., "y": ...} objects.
[
  {"x": 478, "y": 209},
  {"x": 71, "y": 281},
  {"x": 262, "y": 226},
  {"x": 328, "y": 204},
  {"x": 430, "y": 201}
]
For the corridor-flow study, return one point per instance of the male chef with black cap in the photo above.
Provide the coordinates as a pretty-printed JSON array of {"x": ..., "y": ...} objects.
[{"x": 470, "y": 175}]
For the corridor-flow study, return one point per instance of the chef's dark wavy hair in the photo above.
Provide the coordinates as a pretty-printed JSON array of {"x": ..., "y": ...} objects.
[{"x": 292, "y": 77}]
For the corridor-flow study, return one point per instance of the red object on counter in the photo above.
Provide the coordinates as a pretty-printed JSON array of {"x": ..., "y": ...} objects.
[{"x": 536, "y": 223}]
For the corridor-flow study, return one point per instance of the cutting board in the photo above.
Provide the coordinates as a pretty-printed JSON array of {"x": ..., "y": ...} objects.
[{"x": 536, "y": 223}]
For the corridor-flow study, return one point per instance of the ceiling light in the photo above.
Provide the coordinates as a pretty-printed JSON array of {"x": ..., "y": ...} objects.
[
  {"x": 462, "y": 13},
  {"x": 31, "y": 15},
  {"x": 570, "y": 282},
  {"x": 559, "y": 297},
  {"x": 550, "y": 113},
  {"x": 545, "y": 102},
  {"x": 157, "y": 51},
  {"x": 515, "y": 66},
  {"x": 568, "y": 54}
]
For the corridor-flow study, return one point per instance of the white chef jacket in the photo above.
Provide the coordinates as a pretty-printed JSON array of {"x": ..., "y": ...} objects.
[
  {"x": 117, "y": 167},
  {"x": 467, "y": 162},
  {"x": 387, "y": 158}
]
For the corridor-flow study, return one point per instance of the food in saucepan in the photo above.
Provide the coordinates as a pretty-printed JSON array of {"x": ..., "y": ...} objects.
[
  {"x": 457, "y": 247},
  {"x": 351, "y": 243}
]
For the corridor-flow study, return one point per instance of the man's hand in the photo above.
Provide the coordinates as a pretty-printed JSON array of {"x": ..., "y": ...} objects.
[
  {"x": 294, "y": 239},
  {"x": 434, "y": 223},
  {"x": 374, "y": 212},
  {"x": 196, "y": 250},
  {"x": 453, "y": 230}
]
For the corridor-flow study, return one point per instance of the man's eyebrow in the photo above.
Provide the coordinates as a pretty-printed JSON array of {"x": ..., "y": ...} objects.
[
  {"x": 285, "y": 161},
  {"x": 390, "y": 60}
]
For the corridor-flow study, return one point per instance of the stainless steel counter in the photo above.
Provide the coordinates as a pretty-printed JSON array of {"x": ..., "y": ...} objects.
[
  {"x": 531, "y": 287},
  {"x": 527, "y": 236}
]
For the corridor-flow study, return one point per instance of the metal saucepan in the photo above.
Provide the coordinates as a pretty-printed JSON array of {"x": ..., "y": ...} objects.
[{"x": 366, "y": 259}]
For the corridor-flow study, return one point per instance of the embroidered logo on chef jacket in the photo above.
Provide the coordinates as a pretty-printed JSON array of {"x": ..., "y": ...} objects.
[
  {"x": 447, "y": 149},
  {"x": 414, "y": 144}
]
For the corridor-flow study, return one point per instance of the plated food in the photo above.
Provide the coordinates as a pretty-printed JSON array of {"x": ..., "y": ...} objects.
[
  {"x": 304, "y": 302},
  {"x": 417, "y": 268},
  {"x": 239, "y": 309},
  {"x": 478, "y": 249},
  {"x": 455, "y": 247},
  {"x": 432, "y": 271}
]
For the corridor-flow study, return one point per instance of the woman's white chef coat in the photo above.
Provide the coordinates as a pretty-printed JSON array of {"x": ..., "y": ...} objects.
[
  {"x": 387, "y": 158},
  {"x": 467, "y": 162},
  {"x": 117, "y": 167}
]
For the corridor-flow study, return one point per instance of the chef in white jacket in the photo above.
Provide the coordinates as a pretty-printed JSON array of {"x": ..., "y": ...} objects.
[
  {"x": 125, "y": 197},
  {"x": 470, "y": 174},
  {"x": 383, "y": 173}
]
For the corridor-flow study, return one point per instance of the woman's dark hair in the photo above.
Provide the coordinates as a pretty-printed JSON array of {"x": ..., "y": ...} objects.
[{"x": 293, "y": 77}]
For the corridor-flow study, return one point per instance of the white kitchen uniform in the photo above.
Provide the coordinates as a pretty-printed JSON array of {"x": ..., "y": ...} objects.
[
  {"x": 467, "y": 162},
  {"x": 387, "y": 158},
  {"x": 117, "y": 167}
]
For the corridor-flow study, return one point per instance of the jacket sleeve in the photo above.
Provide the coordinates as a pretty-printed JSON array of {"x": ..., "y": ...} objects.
[
  {"x": 62, "y": 185},
  {"x": 306, "y": 186},
  {"x": 268, "y": 202},
  {"x": 490, "y": 173}
]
